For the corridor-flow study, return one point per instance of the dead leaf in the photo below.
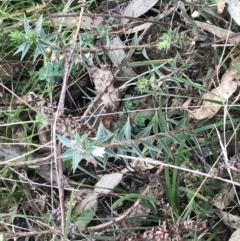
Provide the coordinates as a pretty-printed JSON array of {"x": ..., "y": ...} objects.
[
  {"x": 195, "y": 14},
  {"x": 89, "y": 202},
  {"x": 8, "y": 219},
  {"x": 136, "y": 164},
  {"x": 222, "y": 200},
  {"x": 108, "y": 182},
  {"x": 104, "y": 185},
  {"x": 234, "y": 10},
  {"x": 227, "y": 87},
  {"x": 221, "y": 6},
  {"x": 51, "y": 175},
  {"x": 10, "y": 152},
  {"x": 138, "y": 28},
  {"x": 117, "y": 56},
  {"x": 230, "y": 220},
  {"x": 235, "y": 236},
  {"x": 137, "y": 8},
  {"x": 86, "y": 23},
  {"x": 36, "y": 8},
  {"x": 101, "y": 78},
  {"x": 219, "y": 32}
]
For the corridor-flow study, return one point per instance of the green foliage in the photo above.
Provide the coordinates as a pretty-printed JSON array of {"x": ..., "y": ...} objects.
[
  {"x": 165, "y": 43},
  {"x": 37, "y": 37},
  {"x": 131, "y": 104},
  {"x": 80, "y": 148},
  {"x": 133, "y": 197},
  {"x": 235, "y": 65},
  {"x": 85, "y": 218},
  {"x": 139, "y": 122},
  {"x": 41, "y": 121},
  {"x": 18, "y": 37},
  {"x": 168, "y": 136},
  {"x": 13, "y": 192},
  {"x": 172, "y": 38},
  {"x": 144, "y": 84},
  {"x": 51, "y": 72}
]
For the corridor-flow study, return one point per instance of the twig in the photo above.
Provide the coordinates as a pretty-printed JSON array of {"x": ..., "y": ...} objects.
[
  {"x": 26, "y": 163},
  {"x": 67, "y": 70},
  {"x": 60, "y": 180},
  {"x": 206, "y": 175},
  {"x": 233, "y": 35},
  {"x": 29, "y": 234},
  {"x": 55, "y": 151},
  {"x": 94, "y": 15},
  {"x": 60, "y": 109},
  {"x": 112, "y": 47}
]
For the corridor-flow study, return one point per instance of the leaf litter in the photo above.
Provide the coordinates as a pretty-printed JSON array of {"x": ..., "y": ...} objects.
[{"x": 152, "y": 186}]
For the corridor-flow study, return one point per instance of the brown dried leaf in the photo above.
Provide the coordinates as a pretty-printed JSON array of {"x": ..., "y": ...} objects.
[
  {"x": 6, "y": 71},
  {"x": 227, "y": 87},
  {"x": 219, "y": 32},
  {"x": 221, "y": 6},
  {"x": 137, "y": 8},
  {"x": 9, "y": 152},
  {"x": 89, "y": 202},
  {"x": 234, "y": 10},
  {"x": 235, "y": 236},
  {"x": 230, "y": 220},
  {"x": 51, "y": 176},
  {"x": 104, "y": 185},
  {"x": 118, "y": 55},
  {"x": 222, "y": 200},
  {"x": 108, "y": 182},
  {"x": 86, "y": 23},
  {"x": 102, "y": 78},
  {"x": 138, "y": 28},
  {"x": 8, "y": 219}
]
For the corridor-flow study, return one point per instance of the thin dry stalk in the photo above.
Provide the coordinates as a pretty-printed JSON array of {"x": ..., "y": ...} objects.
[{"x": 67, "y": 70}]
